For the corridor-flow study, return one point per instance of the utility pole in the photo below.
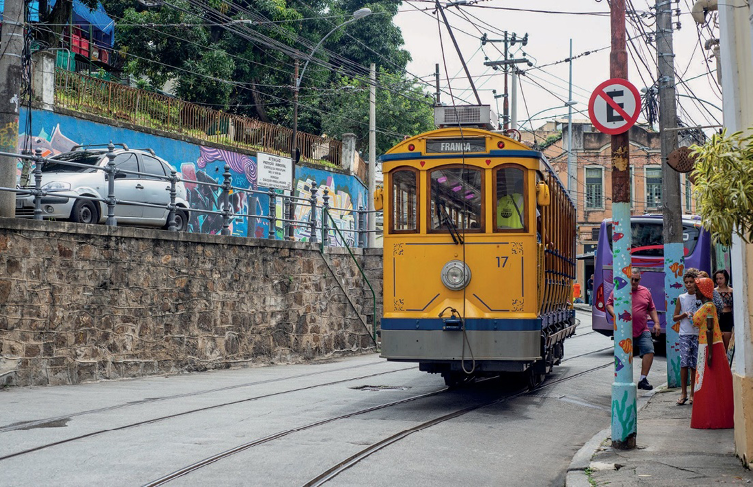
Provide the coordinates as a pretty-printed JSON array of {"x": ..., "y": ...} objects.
[
  {"x": 293, "y": 159},
  {"x": 505, "y": 106},
  {"x": 11, "y": 66},
  {"x": 514, "y": 101},
  {"x": 674, "y": 250},
  {"x": 506, "y": 63},
  {"x": 372, "y": 155},
  {"x": 624, "y": 389},
  {"x": 436, "y": 82},
  {"x": 572, "y": 174}
]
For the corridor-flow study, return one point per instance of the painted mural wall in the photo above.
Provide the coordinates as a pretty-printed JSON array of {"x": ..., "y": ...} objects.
[{"x": 55, "y": 133}]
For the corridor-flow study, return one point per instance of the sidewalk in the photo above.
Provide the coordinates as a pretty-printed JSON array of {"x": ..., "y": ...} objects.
[{"x": 669, "y": 452}]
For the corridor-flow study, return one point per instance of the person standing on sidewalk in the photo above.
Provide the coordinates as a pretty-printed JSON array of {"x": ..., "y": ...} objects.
[
  {"x": 643, "y": 307},
  {"x": 726, "y": 321},
  {"x": 714, "y": 405},
  {"x": 685, "y": 308}
]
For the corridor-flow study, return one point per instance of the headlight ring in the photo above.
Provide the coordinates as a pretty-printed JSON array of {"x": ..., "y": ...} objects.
[{"x": 456, "y": 275}]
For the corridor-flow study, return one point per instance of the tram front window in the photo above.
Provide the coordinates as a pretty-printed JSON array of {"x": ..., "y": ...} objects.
[
  {"x": 510, "y": 211},
  {"x": 404, "y": 201},
  {"x": 456, "y": 199}
]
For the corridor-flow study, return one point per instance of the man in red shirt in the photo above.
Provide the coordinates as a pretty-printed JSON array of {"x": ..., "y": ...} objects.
[{"x": 643, "y": 306}]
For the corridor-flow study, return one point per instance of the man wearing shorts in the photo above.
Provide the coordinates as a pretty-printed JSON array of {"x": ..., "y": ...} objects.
[{"x": 643, "y": 307}]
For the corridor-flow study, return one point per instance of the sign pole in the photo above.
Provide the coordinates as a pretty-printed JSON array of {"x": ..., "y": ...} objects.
[{"x": 624, "y": 389}]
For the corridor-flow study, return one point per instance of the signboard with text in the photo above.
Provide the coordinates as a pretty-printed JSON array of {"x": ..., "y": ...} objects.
[{"x": 274, "y": 171}]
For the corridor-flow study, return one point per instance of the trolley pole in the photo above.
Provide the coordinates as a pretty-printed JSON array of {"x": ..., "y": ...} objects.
[
  {"x": 674, "y": 250},
  {"x": 624, "y": 389}
]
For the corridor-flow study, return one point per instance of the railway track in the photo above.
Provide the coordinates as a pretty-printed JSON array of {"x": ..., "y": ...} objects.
[
  {"x": 190, "y": 411},
  {"x": 335, "y": 470},
  {"x": 40, "y": 422}
]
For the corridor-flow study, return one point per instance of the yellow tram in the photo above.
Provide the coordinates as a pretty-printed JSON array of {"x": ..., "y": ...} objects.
[{"x": 479, "y": 256}]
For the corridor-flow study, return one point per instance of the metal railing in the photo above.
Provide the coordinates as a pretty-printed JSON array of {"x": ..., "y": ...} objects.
[
  {"x": 325, "y": 231},
  {"x": 319, "y": 215},
  {"x": 86, "y": 94}
]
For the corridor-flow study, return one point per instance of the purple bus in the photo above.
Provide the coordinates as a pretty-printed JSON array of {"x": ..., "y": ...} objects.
[{"x": 647, "y": 255}]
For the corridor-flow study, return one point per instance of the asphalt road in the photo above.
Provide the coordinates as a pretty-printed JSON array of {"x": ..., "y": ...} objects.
[{"x": 291, "y": 425}]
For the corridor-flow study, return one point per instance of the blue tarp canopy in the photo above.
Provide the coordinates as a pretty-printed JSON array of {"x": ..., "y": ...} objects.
[{"x": 101, "y": 23}]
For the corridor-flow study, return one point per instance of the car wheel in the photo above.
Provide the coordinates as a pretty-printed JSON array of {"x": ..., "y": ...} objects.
[
  {"x": 181, "y": 221},
  {"x": 84, "y": 212}
]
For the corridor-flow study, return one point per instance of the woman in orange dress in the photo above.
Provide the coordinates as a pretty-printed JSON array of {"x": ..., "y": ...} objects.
[{"x": 713, "y": 406}]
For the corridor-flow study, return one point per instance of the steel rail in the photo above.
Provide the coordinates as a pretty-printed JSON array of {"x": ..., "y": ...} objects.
[
  {"x": 184, "y": 413},
  {"x": 232, "y": 451},
  {"x": 368, "y": 451}
]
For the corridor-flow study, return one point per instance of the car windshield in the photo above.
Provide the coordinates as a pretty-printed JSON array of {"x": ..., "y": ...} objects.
[{"x": 78, "y": 157}]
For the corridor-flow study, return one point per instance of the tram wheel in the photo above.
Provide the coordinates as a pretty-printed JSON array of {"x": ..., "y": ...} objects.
[
  {"x": 534, "y": 378},
  {"x": 454, "y": 379}
]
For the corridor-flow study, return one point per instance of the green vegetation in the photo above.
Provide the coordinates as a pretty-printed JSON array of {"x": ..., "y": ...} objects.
[
  {"x": 246, "y": 68},
  {"x": 723, "y": 184}
]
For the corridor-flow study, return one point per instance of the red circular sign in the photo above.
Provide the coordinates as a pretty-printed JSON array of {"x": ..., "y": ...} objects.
[{"x": 614, "y": 106}]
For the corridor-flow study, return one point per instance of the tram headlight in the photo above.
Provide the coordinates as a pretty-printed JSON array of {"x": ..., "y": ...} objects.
[{"x": 456, "y": 275}]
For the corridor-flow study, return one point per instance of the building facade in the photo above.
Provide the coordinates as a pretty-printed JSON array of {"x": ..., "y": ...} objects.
[{"x": 593, "y": 191}]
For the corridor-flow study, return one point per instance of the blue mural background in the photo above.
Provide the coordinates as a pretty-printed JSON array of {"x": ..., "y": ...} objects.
[{"x": 54, "y": 133}]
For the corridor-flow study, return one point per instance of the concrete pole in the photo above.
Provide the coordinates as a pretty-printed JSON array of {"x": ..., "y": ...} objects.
[
  {"x": 572, "y": 171},
  {"x": 372, "y": 155},
  {"x": 624, "y": 390},
  {"x": 736, "y": 37},
  {"x": 674, "y": 250},
  {"x": 505, "y": 104},
  {"x": 293, "y": 151},
  {"x": 514, "y": 100},
  {"x": 11, "y": 45}
]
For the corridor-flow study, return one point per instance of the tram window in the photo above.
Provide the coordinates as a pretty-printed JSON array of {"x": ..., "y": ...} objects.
[
  {"x": 510, "y": 213},
  {"x": 456, "y": 197},
  {"x": 404, "y": 201}
]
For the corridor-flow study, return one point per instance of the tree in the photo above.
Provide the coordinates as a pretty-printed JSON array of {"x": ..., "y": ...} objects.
[
  {"x": 402, "y": 108},
  {"x": 723, "y": 179},
  {"x": 238, "y": 55}
]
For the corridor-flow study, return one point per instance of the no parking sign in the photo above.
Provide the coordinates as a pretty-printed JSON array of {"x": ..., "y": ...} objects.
[{"x": 614, "y": 106}]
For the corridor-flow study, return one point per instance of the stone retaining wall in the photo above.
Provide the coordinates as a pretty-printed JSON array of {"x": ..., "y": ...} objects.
[{"x": 84, "y": 302}]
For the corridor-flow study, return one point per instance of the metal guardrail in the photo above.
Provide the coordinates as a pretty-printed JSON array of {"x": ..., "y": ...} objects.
[
  {"x": 360, "y": 215},
  {"x": 86, "y": 94}
]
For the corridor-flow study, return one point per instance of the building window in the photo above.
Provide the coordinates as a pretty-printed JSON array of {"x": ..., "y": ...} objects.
[
  {"x": 653, "y": 187},
  {"x": 594, "y": 187}
]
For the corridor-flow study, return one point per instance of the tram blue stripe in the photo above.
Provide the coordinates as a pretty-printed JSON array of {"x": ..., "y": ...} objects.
[{"x": 471, "y": 324}]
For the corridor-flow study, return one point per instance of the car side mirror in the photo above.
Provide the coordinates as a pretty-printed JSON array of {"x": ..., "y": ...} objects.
[{"x": 120, "y": 175}]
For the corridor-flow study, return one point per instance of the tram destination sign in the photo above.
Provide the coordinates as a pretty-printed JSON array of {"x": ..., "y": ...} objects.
[{"x": 455, "y": 146}]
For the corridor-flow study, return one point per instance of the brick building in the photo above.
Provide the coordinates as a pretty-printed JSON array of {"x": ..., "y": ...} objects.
[{"x": 592, "y": 151}]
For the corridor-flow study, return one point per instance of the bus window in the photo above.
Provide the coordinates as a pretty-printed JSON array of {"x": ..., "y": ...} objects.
[
  {"x": 455, "y": 196},
  {"x": 647, "y": 239},
  {"x": 404, "y": 201},
  {"x": 510, "y": 211}
]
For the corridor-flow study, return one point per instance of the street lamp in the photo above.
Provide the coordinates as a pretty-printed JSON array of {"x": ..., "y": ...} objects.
[{"x": 358, "y": 14}]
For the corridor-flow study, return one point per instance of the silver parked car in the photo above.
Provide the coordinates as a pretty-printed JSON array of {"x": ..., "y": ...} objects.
[{"x": 64, "y": 182}]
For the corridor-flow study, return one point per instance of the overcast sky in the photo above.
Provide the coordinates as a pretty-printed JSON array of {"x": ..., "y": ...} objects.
[{"x": 549, "y": 35}]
